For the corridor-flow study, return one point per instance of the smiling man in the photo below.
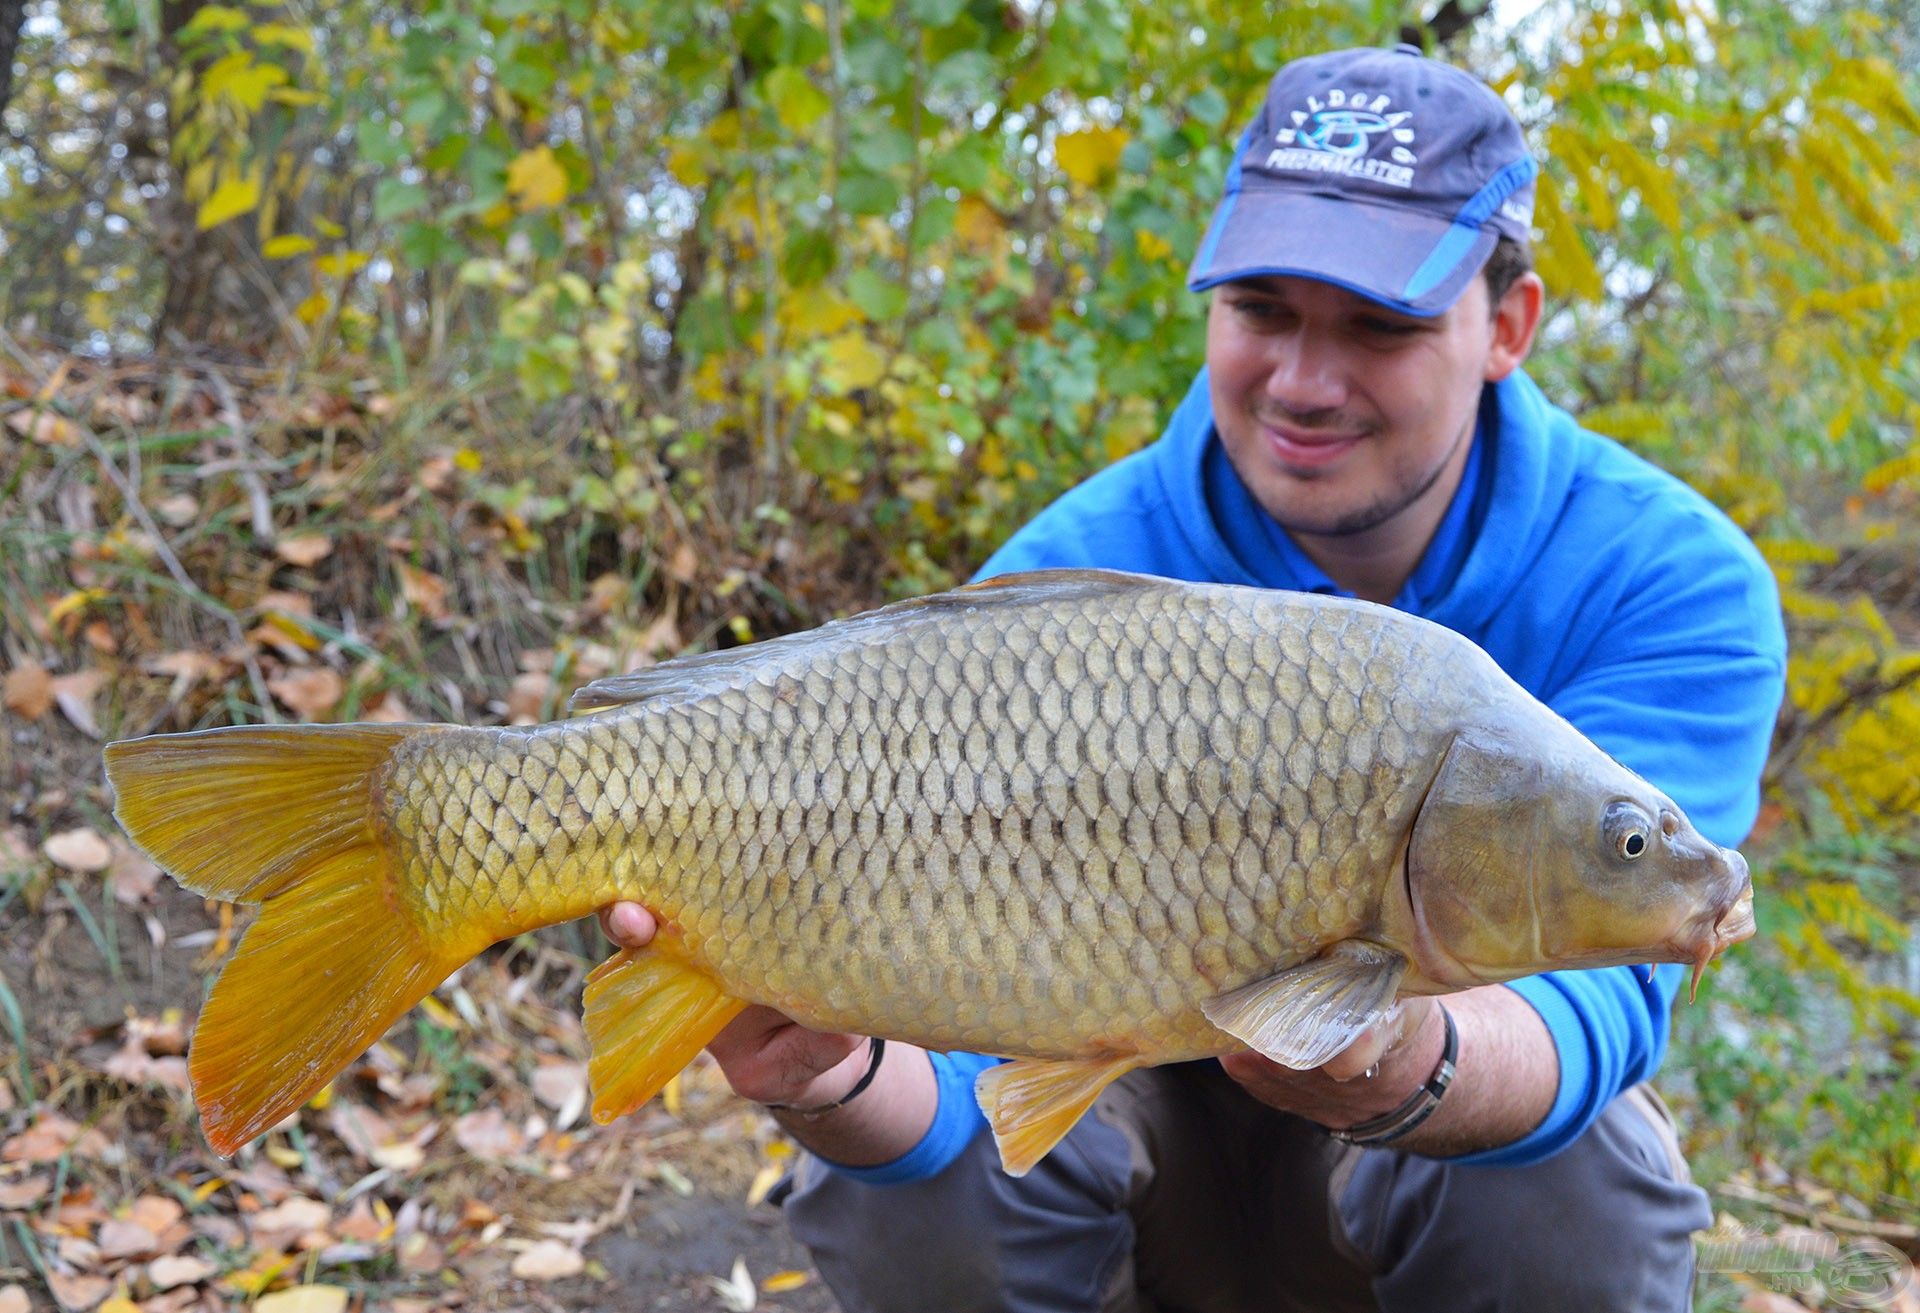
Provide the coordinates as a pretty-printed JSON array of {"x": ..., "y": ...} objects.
[{"x": 1362, "y": 428}]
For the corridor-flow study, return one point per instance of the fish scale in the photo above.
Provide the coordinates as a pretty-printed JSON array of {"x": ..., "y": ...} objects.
[
  {"x": 1048, "y": 829},
  {"x": 1085, "y": 820}
]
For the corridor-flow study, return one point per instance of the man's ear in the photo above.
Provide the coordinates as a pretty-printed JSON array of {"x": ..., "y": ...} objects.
[{"x": 1514, "y": 320}]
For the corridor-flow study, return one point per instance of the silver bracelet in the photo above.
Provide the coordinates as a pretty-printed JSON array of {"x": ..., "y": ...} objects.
[{"x": 1389, "y": 1126}]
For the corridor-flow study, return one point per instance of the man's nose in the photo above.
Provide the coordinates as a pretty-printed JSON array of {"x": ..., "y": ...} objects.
[{"x": 1305, "y": 375}]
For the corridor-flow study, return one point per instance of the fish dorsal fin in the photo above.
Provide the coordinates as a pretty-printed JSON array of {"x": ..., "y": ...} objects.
[
  {"x": 711, "y": 671},
  {"x": 1304, "y": 1015},
  {"x": 1032, "y": 1103},
  {"x": 647, "y": 1015}
]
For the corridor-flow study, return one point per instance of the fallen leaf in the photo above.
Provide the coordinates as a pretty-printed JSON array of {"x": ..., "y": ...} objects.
[
  {"x": 29, "y": 690},
  {"x": 119, "y": 1238},
  {"x": 361, "y": 1225},
  {"x": 81, "y": 849},
  {"x": 488, "y": 1135},
  {"x": 304, "y": 549},
  {"x": 283, "y": 1225},
  {"x": 74, "y": 694},
  {"x": 18, "y": 1195},
  {"x": 178, "y": 1270},
  {"x": 119, "y": 1304},
  {"x": 13, "y": 1299},
  {"x": 425, "y": 591},
  {"x": 390, "y": 709},
  {"x": 737, "y": 1292},
  {"x": 763, "y": 1182},
  {"x": 178, "y": 511},
  {"x": 304, "y": 1299},
  {"x": 311, "y": 692},
  {"x": 156, "y": 1212},
  {"x": 562, "y": 1086},
  {"x": 78, "y": 1292},
  {"x": 133, "y": 875},
  {"x": 547, "y": 1260},
  {"x": 684, "y": 565},
  {"x": 419, "y": 1255},
  {"x": 100, "y": 638},
  {"x": 528, "y": 696},
  {"x": 781, "y": 1282},
  {"x": 45, "y": 428},
  {"x": 134, "y": 1065}
]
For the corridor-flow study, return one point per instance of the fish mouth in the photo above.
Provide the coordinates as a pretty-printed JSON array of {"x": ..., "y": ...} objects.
[{"x": 1714, "y": 932}]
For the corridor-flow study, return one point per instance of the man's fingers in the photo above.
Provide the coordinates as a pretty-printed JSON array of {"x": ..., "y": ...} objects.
[{"x": 628, "y": 925}]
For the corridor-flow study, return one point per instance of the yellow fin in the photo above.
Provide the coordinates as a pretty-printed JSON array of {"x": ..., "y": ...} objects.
[
  {"x": 1304, "y": 1015},
  {"x": 647, "y": 1015},
  {"x": 1031, "y": 1104},
  {"x": 283, "y": 815}
]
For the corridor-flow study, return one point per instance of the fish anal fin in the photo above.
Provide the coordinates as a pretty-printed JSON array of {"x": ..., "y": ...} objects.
[
  {"x": 648, "y": 1014},
  {"x": 1306, "y": 1014},
  {"x": 1032, "y": 1103}
]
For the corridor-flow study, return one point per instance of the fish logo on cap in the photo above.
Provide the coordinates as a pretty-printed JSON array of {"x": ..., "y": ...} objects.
[{"x": 1340, "y": 135}]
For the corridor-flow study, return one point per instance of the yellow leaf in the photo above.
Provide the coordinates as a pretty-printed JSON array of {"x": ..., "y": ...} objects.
[
  {"x": 241, "y": 81},
  {"x": 1088, "y": 155},
  {"x": 818, "y": 311},
  {"x": 73, "y": 603},
  {"x": 781, "y": 1282},
  {"x": 310, "y": 310},
  {"x": 1151, "y": 245},
  {"x": 279, "y": 248},
  {"x": 467, "y": 460},
  {"x": 536, "y": 179},
  {"x": 688, "y": 163},
  {"x": 341, "y": 263},
  {"x": 284, "y": 34},
  {"x": 763, "y": 1182},
  {"x": 304, "y": 1299},
  {"x": 118, "y": 1304},
  {"x": 236, "y": 194},
  {"x": 851, "y": 361},
  {"x": 977, "y": 222}
]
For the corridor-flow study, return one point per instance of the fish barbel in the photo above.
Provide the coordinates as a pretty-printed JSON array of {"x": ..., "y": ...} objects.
[{"x": 1086, "y": 820}]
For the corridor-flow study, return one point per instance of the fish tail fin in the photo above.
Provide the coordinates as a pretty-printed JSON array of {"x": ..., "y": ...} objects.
[{"x": 287, "y": 816}]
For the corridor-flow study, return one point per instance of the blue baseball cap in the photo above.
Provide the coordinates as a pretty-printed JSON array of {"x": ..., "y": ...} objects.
[{"x": 1381, "y": 171}]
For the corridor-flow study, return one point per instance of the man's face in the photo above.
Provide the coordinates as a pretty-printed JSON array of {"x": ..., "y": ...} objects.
[{"x": 1338, "y": 413}]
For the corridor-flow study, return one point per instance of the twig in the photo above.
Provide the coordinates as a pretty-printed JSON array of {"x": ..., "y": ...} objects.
[
  {"x": 1904, "y": 1238},
  {"x": 256, "y": 487}
]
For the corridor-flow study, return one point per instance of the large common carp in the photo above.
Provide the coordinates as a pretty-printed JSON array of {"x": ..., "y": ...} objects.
[{"x": 1090, "y": 821}]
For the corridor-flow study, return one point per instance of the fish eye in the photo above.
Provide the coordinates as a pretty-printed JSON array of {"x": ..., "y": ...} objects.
[{"x": 1627, "y": 830}]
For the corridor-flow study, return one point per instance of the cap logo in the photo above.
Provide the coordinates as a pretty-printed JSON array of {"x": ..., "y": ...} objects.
[{"x": 1341, "y": 134}]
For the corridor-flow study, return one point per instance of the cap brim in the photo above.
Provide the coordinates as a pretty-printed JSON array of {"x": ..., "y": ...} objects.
[{"x": 1407, "y": 261}]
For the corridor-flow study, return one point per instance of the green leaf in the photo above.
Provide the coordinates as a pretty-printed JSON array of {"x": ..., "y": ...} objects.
[
  {"x": 878, "y": 63},
  {"x": 878, "y": 296},
  {"x": 377, "y": 144},
  {"x": 968, "y": 165},
  {"x": 1209, "y": 106},
  {"x": 797, "y": 103},
  {"x": 882, "y": 147},
  {"x": 967, "y": 75},
  {"x": 424, "y": 244},
  {"x": 393, "y": 199},
  {"x": 808, "y": 257},
  {"x": 935, "y": 13},
  {"x": 866, "y": 193}
]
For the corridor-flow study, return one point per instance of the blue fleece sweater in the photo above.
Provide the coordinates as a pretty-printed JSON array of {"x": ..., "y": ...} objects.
[{"x": 1610, "y": 590}]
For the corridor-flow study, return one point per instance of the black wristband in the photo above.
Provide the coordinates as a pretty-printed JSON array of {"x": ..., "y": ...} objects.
[
  {"x": 1419, "y": 1106},
  {"x": 879, "y": 1049}
]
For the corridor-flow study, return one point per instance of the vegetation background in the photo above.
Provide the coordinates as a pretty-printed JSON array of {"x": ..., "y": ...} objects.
[{"x": 401, "y": 361}]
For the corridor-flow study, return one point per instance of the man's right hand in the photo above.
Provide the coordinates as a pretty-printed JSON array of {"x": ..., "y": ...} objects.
[{"x": 765, "y": 1056}]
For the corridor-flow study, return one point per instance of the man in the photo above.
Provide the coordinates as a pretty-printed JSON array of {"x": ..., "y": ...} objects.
[{"x": 1361, "y": 428}]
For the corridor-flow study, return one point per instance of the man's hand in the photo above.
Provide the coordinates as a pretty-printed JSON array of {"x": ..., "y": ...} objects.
[
  {"x": 1504, "y": 1082},
  {"x": 765, "y": 1056}
]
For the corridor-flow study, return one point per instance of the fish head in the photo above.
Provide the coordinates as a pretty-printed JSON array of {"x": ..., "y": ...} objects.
[{"x": 1529, "y": 855}]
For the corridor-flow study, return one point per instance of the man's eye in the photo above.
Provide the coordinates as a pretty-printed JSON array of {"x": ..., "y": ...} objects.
[{"x": 1389, "y": 327}]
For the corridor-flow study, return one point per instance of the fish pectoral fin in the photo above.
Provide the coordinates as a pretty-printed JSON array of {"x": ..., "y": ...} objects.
[
  {"x": 1306, "y": 1014},
  {"x": 647, "y": 1015},
  {"x": 1032, "y": 1103}
]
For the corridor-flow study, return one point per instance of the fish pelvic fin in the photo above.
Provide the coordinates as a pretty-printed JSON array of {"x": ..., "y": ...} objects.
[
  {"x": 647, "y": 1015},
  {"x": 285, "y": 816},
  {"x": 1304, "y": 1015},
  {"x": 1032, "y": 1103}
]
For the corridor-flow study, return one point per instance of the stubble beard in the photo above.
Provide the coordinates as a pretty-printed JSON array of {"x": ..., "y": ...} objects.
[{"x": 1390, "y": 503}]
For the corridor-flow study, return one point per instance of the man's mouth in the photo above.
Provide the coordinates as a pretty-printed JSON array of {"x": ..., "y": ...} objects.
[{"x": 1308, "y": 448}]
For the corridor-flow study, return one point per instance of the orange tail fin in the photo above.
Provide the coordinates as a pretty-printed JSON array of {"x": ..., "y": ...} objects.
[{"x": 283, "y": 816}]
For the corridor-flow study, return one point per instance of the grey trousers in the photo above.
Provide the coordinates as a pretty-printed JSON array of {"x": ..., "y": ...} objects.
[{"x": 1184, "y": 1195}]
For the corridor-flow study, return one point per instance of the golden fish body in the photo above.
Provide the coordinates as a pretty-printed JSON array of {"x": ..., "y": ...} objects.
[{"x": 1078, "y": 817}]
